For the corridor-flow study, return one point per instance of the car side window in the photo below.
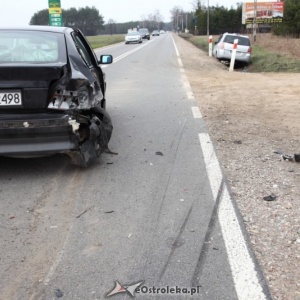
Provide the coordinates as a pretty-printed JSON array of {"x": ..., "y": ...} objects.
[
  {"x": 84, "y": 53},
  {"x": 220, "y": 37}
]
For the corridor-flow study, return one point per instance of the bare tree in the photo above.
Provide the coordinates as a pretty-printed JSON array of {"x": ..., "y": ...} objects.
[
  {"x": 111, "y": 23},
  {"x": 176, "y": 14},
  {"x": 158, "y": 18}
]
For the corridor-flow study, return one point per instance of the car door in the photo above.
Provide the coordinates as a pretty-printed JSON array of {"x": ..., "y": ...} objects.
[{"x": 89, "y": 58}]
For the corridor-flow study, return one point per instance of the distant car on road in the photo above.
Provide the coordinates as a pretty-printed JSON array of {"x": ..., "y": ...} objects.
[
  {"x": 133, "y": 37},
  {"x": 52, "y": 94},
  {"x": 145, "y": 34},
  {"x": 155, "y": 32},
  {"x": 162, "y": 32},
  {"x": 223, "y": 48}
]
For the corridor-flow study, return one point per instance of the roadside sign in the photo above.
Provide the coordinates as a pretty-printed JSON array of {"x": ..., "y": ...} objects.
[
  {"x": 54, "y": 3},
  {"x": 55, "y": 13},
  {"x": 56, "y": 10},
  {"x": 263, "y": 12},
  {"x": 56, "y": 20},
  {"x": 56, "y": 24}
]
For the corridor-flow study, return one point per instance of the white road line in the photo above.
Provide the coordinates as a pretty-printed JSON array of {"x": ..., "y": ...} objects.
[
  {"x": 178, "y": 55},
  {"x": 243, "y": 271},
  {"x": 190, "y": 95},
  {"x": 245, "y": 277},
  {"x": 196, "y": 112},
  {"x": 131, "y": 51},
  {"x": 177, "y": 52},
  {"x": 186, "y": 85}
]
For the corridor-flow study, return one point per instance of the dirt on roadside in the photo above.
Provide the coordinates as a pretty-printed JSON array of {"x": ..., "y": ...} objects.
[{"x": 250, "y": 117}]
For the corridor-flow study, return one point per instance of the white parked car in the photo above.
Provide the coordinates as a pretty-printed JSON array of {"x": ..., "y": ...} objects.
[
  {"x": 223, "y": 48},
  {"x": 133, "y": 37}
]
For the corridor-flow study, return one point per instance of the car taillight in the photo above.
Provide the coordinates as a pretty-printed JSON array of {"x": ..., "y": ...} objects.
[
  {"x": 222, "y": 45},
  {"x": 249, "y": 50}
]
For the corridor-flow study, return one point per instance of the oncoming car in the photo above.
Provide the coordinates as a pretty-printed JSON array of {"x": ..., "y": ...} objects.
[
  {"x": 52, "y": 94},
  {"x": 144, "y": 32},
  {"x": 223, "y": 48},
  {"x": 133, "y": 37},
  {"x": 155, "y": 32}
]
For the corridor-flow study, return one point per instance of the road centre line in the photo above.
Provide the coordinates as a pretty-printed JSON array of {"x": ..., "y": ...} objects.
[
  {"x": 243, "y": 269},
  {"x": 126, "y": 53},
  {"x": 131, "y": 51}
]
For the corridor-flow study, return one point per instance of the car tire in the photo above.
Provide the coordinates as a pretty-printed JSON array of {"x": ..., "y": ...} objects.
[{"x": 103, "y": 115}]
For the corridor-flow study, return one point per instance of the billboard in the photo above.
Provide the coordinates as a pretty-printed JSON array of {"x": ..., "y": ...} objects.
[{"x": 266, "y": 12}]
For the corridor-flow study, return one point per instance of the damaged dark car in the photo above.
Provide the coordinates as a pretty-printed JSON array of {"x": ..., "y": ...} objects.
[{"x": 52, "y": 94}]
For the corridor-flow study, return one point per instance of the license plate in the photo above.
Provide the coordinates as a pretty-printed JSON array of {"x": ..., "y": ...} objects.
[{"x": 10, "y": 98}]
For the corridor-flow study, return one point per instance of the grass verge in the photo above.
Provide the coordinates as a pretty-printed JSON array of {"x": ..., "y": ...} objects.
[
  {"x": 261, "y": 59},
  {"x": 104, "y": 40}
]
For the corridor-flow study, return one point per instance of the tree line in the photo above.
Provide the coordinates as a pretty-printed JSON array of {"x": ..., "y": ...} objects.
[
  {"x": 91, "y": 22},
  {"x": 221, "y": 19},
  {"x": 87, "y": 19},
  {"x": 291, "y": 19}
]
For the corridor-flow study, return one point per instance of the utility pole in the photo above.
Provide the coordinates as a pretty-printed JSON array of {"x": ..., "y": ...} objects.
[
  {"x": 207, "y": 18},
  {"x": 254, "y": 20},
  {"x": 186, "y": 26}
]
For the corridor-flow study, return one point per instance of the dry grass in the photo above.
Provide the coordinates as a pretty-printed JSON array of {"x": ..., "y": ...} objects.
[{"x": 279, "y": 45}]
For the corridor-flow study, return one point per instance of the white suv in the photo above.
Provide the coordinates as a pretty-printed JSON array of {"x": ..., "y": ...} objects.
[{"x": 223, "y": 48}]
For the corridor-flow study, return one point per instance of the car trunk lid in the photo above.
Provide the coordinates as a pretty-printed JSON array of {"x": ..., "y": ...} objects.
[{"x": 26, "y": 87}]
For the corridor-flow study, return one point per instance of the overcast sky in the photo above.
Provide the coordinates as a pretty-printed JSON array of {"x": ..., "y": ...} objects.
[{"x": 19, "y": 12}]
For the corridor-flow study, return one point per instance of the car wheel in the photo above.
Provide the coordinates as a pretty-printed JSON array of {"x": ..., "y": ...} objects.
[
  {"x": 97, "y": 142},
  {"x": 105, "y": 119}
]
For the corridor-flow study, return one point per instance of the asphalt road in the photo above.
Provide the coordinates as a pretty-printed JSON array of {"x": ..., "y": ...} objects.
[{"x": 151, "y": 213}]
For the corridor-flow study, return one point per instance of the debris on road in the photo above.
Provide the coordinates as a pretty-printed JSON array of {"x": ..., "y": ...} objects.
[
  {"x": 271, "y": 197},
  {"x": 58, "y": 293},
  {"x": 82, "y": 213},
  {"x": 239, "y": 142},
  {"x": 284, "y": 156},
  {"x": 297, "y": 157},
  {"x": 159, "y": 153}
]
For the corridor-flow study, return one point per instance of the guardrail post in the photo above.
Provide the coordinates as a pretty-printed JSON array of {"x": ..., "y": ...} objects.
[
  {"x": 233, "y": 54},
  {"x": 210, "y": 46}
]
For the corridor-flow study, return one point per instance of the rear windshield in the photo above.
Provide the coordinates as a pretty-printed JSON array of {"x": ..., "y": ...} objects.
[
  {"x": 242, "y": 40},
  {"x": 30, "y": 46},
  {"x": 133, "y": 33}
]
